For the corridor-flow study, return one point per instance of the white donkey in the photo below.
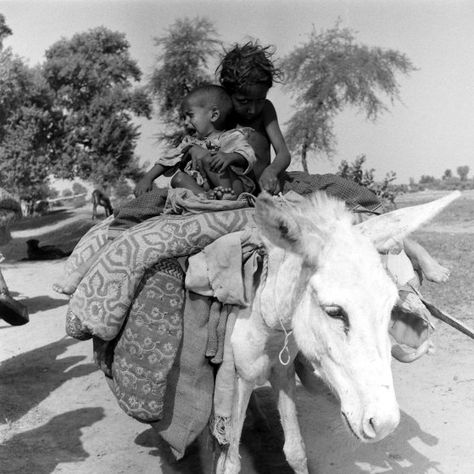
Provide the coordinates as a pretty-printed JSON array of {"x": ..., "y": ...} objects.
[{"x": 326, "y": 294}]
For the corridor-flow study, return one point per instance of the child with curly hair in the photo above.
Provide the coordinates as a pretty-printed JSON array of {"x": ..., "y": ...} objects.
[{"x": 247, "y": 72}]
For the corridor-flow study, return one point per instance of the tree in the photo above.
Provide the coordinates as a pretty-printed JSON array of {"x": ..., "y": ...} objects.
[
  {"x": 329, "y": 72},
  {"x": 427, "y": 179},
  {"x": 92, "y": 76},
  {"x": 25, "y": 165},
  {"x": 448, "y": 174},
  {"x": 462, "y": 171},
  {"x": 78, "y": 188},
  {"x": 15, "y": 79},
  {"x": 182, "y": 65},
  {"x": 26, "y": 110},
  {"x": 122, "y": 190},
  {"x": 5, "y": 30}
]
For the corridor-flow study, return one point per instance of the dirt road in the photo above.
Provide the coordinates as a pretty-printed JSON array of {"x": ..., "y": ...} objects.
[{"x": 58, "y": 415}]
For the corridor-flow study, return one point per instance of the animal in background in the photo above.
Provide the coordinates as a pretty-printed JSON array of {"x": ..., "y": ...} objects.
[
  {"x": 40, "y": 207},
  {"x": 100, "y": 199},
  {"x": 45, "y": 252}
]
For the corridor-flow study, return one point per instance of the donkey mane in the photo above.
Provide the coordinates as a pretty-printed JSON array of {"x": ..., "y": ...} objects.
[{"x": 322, "y": 212}]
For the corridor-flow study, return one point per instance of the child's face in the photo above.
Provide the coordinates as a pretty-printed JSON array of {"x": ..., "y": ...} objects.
[
  {"x": 197, "y": 117},
  {"x": 249, "y": 102}
]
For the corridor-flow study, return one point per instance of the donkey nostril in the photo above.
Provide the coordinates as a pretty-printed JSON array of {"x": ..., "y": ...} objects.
[{"x": 370, "y": 428}]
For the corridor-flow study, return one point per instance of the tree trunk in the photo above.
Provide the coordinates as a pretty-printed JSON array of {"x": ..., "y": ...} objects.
[{"x": 304, "y": 160}]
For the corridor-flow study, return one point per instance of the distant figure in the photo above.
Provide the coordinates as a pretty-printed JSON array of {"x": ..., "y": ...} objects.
[
  {"x": 26, "y": 207},
  {"x": 46, "y": 252},
  {"x": 40, "y": 207},
  {"x": 100, "y": 199}
]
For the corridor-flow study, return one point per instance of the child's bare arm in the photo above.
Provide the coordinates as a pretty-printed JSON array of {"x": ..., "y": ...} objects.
[
  {"x": 269, "y": 178},
  {"x": 146, "y": 183},
  {"x": 220, "y": 160}
]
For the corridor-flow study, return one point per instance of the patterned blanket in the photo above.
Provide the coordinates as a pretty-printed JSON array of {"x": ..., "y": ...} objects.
[
  {"x": 150, "y": 339},
  {"x": 103, "y": 298}
]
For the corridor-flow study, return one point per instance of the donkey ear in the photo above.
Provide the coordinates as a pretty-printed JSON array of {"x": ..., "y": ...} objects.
[
  {"x": 277, "y": 226},
  {"x": 388, "y": 230}
]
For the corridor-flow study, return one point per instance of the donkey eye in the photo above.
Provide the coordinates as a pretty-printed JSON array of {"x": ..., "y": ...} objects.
[
  {"x": 337, "y": 312},
  {"x": 334, "y": 311}
]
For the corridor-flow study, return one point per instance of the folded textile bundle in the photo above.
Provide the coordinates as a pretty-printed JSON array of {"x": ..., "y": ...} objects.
[
  {"x": 91, "y": 243},
  {"x": 104, "y": 296}
]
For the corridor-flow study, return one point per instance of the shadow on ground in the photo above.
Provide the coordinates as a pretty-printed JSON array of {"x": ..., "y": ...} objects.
[
  {"x": 330, "y": 448},
  {"x": 33, "y": 222},
  {"x": 65, "y": 239},
  {"x": 196, "y": 461},
  {"x": 28, "y": 378},
  {"x": 41, "y": 449},
  {"x": 396, "y": 454},
  {"x": 261, "y": 445},
  {"x": 43, "y": 303}
]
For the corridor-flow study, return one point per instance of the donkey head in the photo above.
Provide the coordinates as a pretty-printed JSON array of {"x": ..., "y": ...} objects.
[{"x": 340, "y": 298}]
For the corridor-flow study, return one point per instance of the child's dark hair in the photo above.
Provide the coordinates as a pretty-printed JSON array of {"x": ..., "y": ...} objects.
[
  {"x": 212, "y": 95},
  {"x": 248, "y": 64}
]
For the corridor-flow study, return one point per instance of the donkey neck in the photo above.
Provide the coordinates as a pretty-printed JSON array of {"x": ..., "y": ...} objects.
[{"x": 281, "y": 289}]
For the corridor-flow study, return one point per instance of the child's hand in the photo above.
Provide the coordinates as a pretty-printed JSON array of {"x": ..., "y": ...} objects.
[
  {"x": 197, "y": 154},
  {"x": 219, "y": 161},
  {"x": 143, "y": 186},
  {"x": 269, "y": 181}
]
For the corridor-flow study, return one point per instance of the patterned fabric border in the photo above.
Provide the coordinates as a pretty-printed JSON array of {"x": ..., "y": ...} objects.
[{"x": 147, "y": 347}]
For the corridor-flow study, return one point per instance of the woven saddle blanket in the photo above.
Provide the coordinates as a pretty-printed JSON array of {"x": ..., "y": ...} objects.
[{"x": 132, "y": 301}]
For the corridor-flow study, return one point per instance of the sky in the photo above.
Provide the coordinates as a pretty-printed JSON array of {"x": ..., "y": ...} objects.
[{"x": 429, "y": 131}]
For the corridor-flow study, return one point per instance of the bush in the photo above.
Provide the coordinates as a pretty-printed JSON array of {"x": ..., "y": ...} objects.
[
  {"x": 386, "y": 191},
  {"x": 79, "y": 202},
  {"x": 122, "y": 190},
  {"x": 53, "y": 193},
  {"x": 123, "y": 193},
  {"x": 447, "y": 184},
  {"x": 78, "y": 188}
]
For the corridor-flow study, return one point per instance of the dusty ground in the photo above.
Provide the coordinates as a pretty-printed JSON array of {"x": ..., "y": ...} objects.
[{"x": 57, "y": 414}]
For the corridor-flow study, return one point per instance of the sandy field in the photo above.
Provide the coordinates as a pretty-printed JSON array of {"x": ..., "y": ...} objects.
[{"x": 57, "y": 414}]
